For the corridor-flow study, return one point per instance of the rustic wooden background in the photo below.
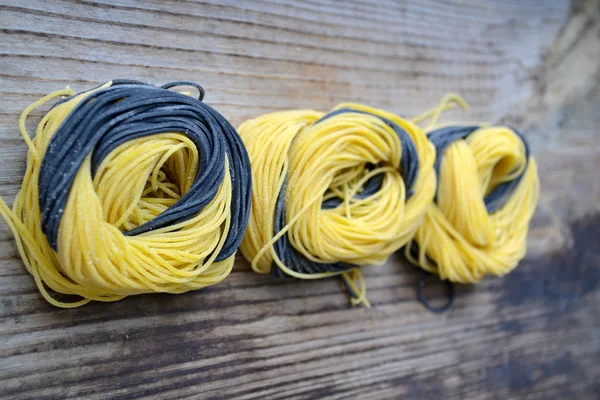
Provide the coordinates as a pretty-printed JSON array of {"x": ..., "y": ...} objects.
[{"x": 534, "y": 334}]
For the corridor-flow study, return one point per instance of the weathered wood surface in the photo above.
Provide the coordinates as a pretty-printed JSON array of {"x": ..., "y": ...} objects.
[{"x": 534, "y": 334}]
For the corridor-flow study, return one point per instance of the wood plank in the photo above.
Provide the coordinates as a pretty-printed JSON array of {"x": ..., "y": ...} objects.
[{"x": 534, "y": 334}]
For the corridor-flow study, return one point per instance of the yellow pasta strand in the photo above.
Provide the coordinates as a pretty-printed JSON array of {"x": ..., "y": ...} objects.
[
  {"x": 313, "y": 215},
  {"x": 460, "y": 239}
]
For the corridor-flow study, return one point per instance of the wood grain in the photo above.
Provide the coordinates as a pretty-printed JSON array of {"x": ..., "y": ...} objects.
[{"x": 534, "y": 334}]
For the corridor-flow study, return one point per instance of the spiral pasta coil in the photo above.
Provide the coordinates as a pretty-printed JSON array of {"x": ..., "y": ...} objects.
[
  {"x": 129, "y": 189},
  {"x": 333, "y": 192},
  {"x": 487, "y": 192}
]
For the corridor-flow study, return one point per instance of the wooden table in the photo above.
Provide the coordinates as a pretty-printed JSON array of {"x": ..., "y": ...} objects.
[{"x": 534, "y": 334}]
